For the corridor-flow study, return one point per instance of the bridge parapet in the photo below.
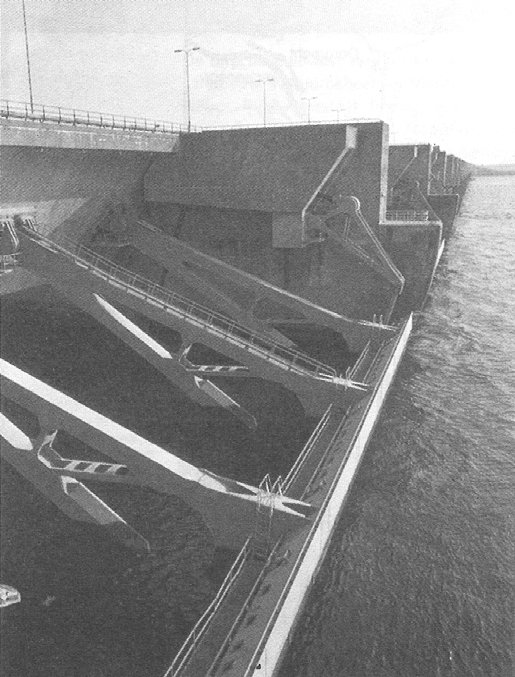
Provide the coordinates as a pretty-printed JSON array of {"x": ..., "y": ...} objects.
[{"x": 55, "y": 127}]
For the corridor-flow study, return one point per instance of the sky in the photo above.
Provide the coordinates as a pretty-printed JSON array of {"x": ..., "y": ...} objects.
[{"x": 437, "y": 72}]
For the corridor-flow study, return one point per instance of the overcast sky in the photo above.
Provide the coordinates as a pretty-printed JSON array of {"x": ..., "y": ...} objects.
[{"x": 436, "y": 71}]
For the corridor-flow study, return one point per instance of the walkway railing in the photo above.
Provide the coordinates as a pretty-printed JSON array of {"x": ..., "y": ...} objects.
[
  {"x": 72, "y": 116},
  {"x": 272, "y": 559},
  {"x": 264, "y": 347},
  {"x": 407, "y": 215},
  {"x": 269, "y": 564},
  {"x": 202, "y": 624},
  {"x": 297, "y": 123},
  {"x": 299, "y": 462},
  {"x": 406, "y": 328},
  {"x": 8, "y": 262}
]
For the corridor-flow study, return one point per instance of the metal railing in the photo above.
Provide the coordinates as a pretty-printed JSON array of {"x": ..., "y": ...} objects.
[
  {"x": 320, "y": 514},
  {"x": 8, "y": 262},
  {"x": 205, "y": 318},
  {"x": 244, "y": 609},
  {"x": 202, "y": 624},
  {"x": 186, "y": 651},
  {"x": 407, "y": 215},
  {"x": 361, "y": 359},
  {"x": 299, "y": 462},
  {"x": 75, "y": 116},
  {"x": 72, "y": 116},
  {"x": 298, "y": 123}
]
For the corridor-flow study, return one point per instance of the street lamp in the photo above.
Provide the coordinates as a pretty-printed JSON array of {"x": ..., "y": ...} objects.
[
  {"x": 337, "y": 111},
  {"x": 309, "y": 99},
  {"x": 27, "y": 54},
  {"x": 264, "y": 97},
  {"x": 186, "y": 53}
]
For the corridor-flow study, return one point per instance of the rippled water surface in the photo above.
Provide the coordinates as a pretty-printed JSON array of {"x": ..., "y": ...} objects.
[{"x": 419, "y": 579}]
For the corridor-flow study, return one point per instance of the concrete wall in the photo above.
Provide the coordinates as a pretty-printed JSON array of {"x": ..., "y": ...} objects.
[
  {"x": 235, "y": 184},
  {"x": 242, "y": 238},
  {"x": 452, "y": 177},
  {"x": 446, "y": 208},
  {"x": 72, "y": 188},
  {"x": 438, "y": 167},
  {"x": 405, "y": 164},
  {"x": 18, "y": 132},
  {"x": 436, "y": 171},
  {"x": 266, "y": 169},
  {"x": 414, "y": 250},
  {"x": 320, "y": 272},
  {"x": 69, "y": 188},
  {"x": 271, "y": 169},
  {"x": 457, "y": 172},
  {"x": 60, "y": 181},
  {"x": 365, "y": 173}
]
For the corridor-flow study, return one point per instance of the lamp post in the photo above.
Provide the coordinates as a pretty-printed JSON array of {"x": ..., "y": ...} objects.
[
  {"x": 337, "y": 111},
  {"x": 264, "y": 81},
  {"x": 186, "y": 53},
  {"x": 309, "y": 99},
  {"x": 27, "y": 53}
]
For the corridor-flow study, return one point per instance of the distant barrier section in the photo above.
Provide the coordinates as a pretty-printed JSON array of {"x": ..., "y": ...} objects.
[{"x": 71, "y": 116}]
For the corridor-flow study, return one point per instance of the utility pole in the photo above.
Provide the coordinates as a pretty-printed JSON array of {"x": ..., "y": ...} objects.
[
  {"x": 264, "y": 81},
  {"x": 186, "y": 53},
  {"x": 309, "y": 99},
  {"x": 28, "y": 56}
]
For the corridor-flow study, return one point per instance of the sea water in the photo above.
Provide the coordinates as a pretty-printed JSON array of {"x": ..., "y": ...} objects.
[{"x": 419, "y": 578}]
